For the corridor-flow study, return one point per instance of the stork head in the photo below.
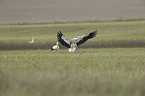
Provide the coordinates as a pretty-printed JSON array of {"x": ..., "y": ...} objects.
[{"x": 79, "y": 37}]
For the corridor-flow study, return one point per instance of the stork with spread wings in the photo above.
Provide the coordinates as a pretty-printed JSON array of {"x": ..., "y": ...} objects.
[{"x": 73, "y": 43}]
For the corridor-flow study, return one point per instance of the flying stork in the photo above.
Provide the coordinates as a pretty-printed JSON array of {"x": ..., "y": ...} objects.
[{"x": 73, "y": 43}]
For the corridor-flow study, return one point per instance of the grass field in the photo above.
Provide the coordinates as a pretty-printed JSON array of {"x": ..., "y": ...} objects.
[
  {"x": 110, "y": 34},
  {"x": 86, "y": 72},
  {"x": 127, "y": 30}
]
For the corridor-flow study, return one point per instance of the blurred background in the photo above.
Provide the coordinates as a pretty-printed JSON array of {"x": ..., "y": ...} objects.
[{"x": 34, "y": 11}]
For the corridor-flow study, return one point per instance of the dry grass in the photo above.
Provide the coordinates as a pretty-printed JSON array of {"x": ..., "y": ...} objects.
[{"x": 90, "y": 44}]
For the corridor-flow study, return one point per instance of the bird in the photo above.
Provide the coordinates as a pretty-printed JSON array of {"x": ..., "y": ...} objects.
[
  {"x": 55, "y": 47},
  {"x": 73, "y": 43},
  {"x": 32, "y": 40}
]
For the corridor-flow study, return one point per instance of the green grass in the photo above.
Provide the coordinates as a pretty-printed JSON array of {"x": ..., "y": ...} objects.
[
  {"x": 132, "y": 30},
  {"x": 86, "y": 72},
  {"x": 110, "y": 34},
  {"x": 89, "y": 71}
]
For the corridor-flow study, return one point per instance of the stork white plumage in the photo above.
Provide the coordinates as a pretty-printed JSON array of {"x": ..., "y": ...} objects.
[
  {"x": 32, "y": 40},
  {"x": 55, "y": 47},
  {"x": 73, "y": 43}
]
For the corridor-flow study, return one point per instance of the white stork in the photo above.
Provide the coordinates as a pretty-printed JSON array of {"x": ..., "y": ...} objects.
[
  {"x": 32, "y": 40},
  {"x": 55, "y": 47},
  {"x": 73, "y": 43}
]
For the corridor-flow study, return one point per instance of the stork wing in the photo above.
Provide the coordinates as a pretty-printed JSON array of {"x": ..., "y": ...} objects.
[
  {"x": 64, "y": 41},
  {"x": 85, "y": 37}
]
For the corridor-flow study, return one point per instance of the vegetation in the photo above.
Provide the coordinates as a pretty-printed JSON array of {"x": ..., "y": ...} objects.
[
  {"x": 86, "y": 72},
  {"x": 110, "y": 34},
  {"x": 112, "y": 64},
  {"x": 133, "y": 30},
  {"x": 89, "y": 44}
]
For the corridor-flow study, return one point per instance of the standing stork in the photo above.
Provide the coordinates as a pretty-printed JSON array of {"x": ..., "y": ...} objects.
[
  {"x": 73, "y": 43},
  {"x": 55, "y": 47}
]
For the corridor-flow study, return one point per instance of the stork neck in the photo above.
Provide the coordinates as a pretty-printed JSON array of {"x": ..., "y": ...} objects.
[
  {"x": 32, "y": 39},
  {"x": 57, "y": 43}
]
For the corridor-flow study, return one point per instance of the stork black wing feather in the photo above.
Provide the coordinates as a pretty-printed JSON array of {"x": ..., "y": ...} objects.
[
  {"x": 89, "y": 36},
  {"x": 59, "y": 35}
]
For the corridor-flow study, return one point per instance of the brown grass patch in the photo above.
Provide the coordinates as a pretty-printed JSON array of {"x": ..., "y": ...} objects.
[{"x": 90, "y": 44}]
